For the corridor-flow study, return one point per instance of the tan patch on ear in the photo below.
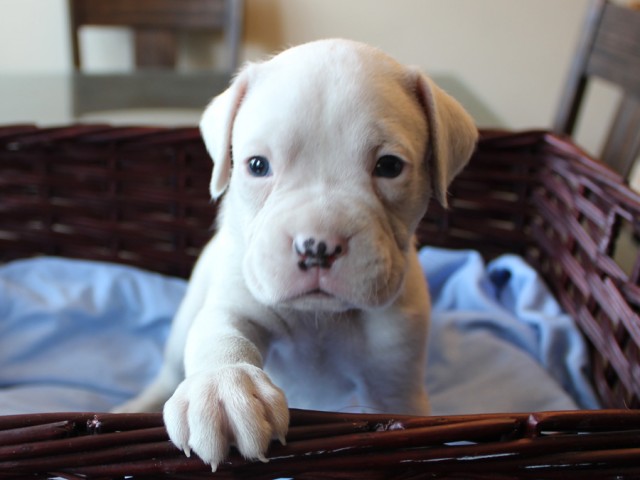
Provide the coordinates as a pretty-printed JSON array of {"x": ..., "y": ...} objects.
[
  {"x": 216, "y": 127},
  {"x": 452, "y": 133}
]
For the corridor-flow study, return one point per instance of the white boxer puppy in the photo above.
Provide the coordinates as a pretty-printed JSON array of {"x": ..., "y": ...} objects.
[{"x": 310, "y": 293}]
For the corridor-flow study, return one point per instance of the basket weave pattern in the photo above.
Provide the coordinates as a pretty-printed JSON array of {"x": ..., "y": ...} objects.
[
  {"x": 540, "y": 196},
  {"x": 332, "y": 445},
  {"x": 135, "y": 195},
  {"x": 139, "y": 196}
]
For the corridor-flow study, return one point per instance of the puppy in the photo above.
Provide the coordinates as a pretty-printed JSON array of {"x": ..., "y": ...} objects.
[{"x": 310, "y": 290}]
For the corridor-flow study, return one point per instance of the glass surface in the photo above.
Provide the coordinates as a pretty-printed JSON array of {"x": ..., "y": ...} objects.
[{"x": 153, "y": 97}]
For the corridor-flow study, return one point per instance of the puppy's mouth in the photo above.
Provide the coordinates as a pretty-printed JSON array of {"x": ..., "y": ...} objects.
[
  {"x": 319, "y": 300},
  {"x": 318, "y": 292}
]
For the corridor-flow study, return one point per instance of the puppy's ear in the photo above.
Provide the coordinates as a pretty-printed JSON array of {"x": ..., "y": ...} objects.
[
  {"x": 216, "y": 127},
  {"x": 452, "y": 132}
]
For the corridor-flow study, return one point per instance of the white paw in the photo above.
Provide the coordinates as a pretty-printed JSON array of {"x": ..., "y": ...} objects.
[{"x": 234, "y": 405}]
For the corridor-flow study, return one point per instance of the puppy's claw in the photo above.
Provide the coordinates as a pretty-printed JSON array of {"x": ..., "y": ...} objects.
[
  {"x": 262, "y": 458},
  {"x": 282, "y": 439},
  {"x": 187, "y": 451}
]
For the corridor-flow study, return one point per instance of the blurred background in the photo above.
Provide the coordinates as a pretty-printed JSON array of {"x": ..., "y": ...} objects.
[{"x": 505, "y": 60}]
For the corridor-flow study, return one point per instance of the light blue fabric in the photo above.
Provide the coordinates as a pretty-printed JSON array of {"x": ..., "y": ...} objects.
[
  {"x": 79, "y": 335},
  {"x": 499, "y": 340}
]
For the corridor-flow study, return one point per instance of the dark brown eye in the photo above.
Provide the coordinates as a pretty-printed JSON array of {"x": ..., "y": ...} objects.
[
  {"x": 259, "y": 166},
  {"x": 388, "y": 166}
]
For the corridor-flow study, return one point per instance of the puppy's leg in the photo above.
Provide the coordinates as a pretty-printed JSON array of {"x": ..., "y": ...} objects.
[
  {"x": 396, "y": 386},
  {"x": 393, "y": 377},
  {"x": 395, "y": 381},
  {"x": 226, "y": 397},
  {"x": 153, "y": 397},
  {"x": 398, "y": 391}
]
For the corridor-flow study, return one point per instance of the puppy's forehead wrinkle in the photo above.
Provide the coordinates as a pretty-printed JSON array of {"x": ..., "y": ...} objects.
[
  {"x": 312, "y": 78},
  {"x": 347, "y": 104}
]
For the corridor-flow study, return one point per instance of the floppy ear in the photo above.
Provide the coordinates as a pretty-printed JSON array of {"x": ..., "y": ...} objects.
[
  {"x": 216, "y": 127},
  {"x": 452, "y": 133}
]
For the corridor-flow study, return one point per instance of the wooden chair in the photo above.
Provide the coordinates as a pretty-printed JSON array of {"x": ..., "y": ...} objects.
[
  {"x": 156, "y": 24},
  {"x": 609, "y": 49},
  {"x": 155, "y": 83}
]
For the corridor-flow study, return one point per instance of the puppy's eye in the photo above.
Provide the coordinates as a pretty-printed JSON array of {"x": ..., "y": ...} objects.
[
  {"x": 259, "y": 166},
  {"x": 388, "y": 166}
]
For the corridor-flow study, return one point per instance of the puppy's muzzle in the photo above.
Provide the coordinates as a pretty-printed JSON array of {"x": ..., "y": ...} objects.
[{"x": 320, "y": 253}]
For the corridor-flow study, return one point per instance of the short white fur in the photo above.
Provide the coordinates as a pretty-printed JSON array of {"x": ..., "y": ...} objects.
[{"x": 258, "y": 331}]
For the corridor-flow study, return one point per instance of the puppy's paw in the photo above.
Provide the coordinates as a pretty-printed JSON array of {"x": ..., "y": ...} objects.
[{"x": 234, "y": 405}]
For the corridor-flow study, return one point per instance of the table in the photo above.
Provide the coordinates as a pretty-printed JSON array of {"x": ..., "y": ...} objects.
[
  {"x": 151, "y": 97},
  {"x": 144, "y": 97}
]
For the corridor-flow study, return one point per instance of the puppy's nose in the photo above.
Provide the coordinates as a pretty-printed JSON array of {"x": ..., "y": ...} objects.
[{"x": 318, "y": 252}]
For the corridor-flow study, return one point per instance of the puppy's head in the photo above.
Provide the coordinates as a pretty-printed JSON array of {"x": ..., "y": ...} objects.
[{"x": 330, "y": 152}]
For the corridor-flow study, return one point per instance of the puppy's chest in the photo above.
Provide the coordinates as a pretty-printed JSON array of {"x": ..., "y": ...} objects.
[{"x": 318, "y": 365}]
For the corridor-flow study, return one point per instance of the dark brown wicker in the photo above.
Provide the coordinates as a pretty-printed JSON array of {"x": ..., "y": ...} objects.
[
  {"x": 140, "y": 196},
  {"x": 597, "y": 445}
]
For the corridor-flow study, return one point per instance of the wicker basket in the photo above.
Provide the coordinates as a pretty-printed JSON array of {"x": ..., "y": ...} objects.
[{"x": 139, "y": 196}]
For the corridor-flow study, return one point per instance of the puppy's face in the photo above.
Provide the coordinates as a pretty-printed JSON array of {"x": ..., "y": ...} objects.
[{"x": 331, "y": 173}]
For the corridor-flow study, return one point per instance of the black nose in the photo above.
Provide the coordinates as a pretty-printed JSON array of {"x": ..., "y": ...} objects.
[{"x": 318, "y": 253}]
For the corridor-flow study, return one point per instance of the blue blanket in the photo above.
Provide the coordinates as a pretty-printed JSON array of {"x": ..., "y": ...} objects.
[{"x": 85, "y": 336}]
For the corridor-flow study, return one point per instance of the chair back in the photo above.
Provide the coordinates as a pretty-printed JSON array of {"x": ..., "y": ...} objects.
[
  {"x": 610, "y": 50},
  {"x": 156, "y": 24}
]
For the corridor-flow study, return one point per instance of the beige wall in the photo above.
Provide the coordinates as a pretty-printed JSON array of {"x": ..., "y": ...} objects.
[
  {"x": 508, "y": 57},
  {"x": 505, "y": 60}
]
